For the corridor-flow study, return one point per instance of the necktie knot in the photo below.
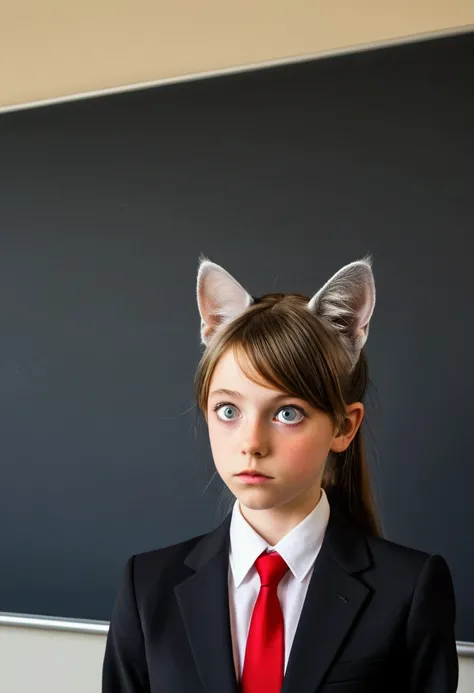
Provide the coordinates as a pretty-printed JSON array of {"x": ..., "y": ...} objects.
[{"x": 271, "y": 567}]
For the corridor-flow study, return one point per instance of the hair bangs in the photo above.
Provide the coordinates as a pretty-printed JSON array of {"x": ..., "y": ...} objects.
[{"x": 282, "y": 349}]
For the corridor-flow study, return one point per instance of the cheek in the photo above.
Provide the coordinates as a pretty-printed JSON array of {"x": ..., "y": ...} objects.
[
  {"x": 218, "y": 438},
  {"x": 302, "y": 451}
]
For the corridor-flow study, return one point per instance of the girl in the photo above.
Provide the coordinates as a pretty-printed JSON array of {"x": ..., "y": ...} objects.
[{"x": 296, "y": 591}]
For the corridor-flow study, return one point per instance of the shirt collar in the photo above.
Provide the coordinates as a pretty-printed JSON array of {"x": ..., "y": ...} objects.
[{"x": 299, "y": 547}]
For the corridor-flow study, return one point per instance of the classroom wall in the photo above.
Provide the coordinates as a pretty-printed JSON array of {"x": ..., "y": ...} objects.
[
  {"x": 53, "y": 48},
  {"x": 47, "y": 661}
]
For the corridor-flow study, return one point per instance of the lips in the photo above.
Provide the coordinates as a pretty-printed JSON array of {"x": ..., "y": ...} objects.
[
  {"x": 252, "y": 477},
  {"x": 248, "y": 472}
]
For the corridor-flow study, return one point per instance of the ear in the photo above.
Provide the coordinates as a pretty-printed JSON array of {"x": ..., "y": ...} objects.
[
  {"x": 353, "y": 420},
  {"x": 220, "y": 298},
  {"x": 347, "y": 302}
]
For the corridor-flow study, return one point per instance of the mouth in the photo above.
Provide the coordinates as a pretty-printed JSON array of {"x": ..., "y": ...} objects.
[{"x": 251, "y": 477}]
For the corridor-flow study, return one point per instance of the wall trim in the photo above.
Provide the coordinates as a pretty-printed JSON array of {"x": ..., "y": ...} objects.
[
  {"x": 414, "y": 38},
  {"x": 74, "y": 625},
  {"x": 465, "y": 649}
]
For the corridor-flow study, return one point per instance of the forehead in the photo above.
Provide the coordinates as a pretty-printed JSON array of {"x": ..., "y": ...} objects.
[{"x": 229, "y": 374}]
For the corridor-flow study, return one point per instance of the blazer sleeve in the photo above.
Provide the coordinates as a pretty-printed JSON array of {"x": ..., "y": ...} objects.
[
  {"x": 433, "y": 660},
  {"x": 124, "y": 667}
]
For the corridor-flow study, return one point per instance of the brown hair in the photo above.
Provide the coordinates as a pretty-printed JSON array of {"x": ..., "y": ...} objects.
[{"x": 300, "y": 353}]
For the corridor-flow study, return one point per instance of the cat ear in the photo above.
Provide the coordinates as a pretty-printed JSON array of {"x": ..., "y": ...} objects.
[
  {"x": 347, "y": 302},
  {"x": 220, "y": 298}
]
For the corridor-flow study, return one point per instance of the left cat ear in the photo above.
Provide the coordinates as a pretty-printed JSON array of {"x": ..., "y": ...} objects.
[
  {"x": 347, "y": 302},
  {"x": 220, "y": 298}
]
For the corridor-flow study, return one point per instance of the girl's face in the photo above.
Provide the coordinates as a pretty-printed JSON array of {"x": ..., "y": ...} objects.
[{"x": 263, "y": 430}]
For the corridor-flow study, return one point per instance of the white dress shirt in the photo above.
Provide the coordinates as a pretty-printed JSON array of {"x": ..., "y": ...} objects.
[{"x": 299, "y": 548}]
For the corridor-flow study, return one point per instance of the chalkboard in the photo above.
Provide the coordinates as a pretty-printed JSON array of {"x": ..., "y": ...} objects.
[{"x": 281, "y": 175}]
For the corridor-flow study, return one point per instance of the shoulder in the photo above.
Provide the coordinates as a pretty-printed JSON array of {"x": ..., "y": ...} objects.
[
  {"x": 384, "y": 560},
  {"x": 424, "y": 583},
  {"x": 410, "y": 569},
  {"x": 154, "y": 574},
  {"x": 167, "y": 560},
  {"x": 414, "y": 589},
  {"x": 402, "y": 562},
  {"x": 394, "y": 554},
  {"x": 151, "y": 576}
]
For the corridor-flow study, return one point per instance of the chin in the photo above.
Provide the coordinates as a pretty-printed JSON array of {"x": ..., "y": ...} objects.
[{"x": 255, "y": 501}]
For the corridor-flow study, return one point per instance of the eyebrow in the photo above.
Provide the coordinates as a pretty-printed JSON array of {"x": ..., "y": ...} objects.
[{"x": 239, "y": 395}]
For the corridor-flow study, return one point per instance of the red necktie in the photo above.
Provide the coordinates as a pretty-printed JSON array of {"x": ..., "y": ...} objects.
[{"x": 264, "y": 654}]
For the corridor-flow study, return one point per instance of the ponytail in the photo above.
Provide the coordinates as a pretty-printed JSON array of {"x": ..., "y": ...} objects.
[
  {"x": 346, "y": 481},
  {"x": 346, "y": 478}
]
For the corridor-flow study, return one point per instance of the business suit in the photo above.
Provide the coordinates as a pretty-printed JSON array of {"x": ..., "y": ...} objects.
[{"x": 377, "y": 617}]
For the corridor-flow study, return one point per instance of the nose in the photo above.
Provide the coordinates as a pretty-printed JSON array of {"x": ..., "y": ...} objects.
[{"x": 255, "y": 442}]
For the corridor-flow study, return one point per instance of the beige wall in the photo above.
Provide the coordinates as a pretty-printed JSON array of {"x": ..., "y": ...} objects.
[
  {"x": 47, "y": 661},
  {"x": 52, "y": 48}
]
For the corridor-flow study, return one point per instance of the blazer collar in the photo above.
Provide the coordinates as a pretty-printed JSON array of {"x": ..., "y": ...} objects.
[
  {"x": 344, "y": 541},
  {"x": 334, "y": 599}
]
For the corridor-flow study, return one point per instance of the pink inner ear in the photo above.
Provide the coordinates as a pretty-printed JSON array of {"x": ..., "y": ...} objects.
[
  {"x": 220, "y": 297},
  {"x": 211, "y": 289},
  {"x": 205, "y": 304},
  {"x": 365, "y": 306}
]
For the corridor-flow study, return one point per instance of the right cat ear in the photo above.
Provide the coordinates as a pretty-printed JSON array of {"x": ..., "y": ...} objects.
[
  {"x": 220, "y": 298},
  {"x": 347, "y": 302}
]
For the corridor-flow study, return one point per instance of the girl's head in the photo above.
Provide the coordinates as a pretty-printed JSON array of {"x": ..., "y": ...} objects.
[{"x": 281, "y": 385}]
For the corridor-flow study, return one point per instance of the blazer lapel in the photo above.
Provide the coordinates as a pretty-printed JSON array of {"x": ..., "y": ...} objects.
[
  {"x": 334, "y": 599},
  {"x": 204, "y": 604}
]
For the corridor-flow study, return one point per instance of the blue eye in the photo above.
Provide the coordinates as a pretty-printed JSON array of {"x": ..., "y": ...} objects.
[
  {"x": 289, "y": 409},
  {"x": 227, "y": 409}
]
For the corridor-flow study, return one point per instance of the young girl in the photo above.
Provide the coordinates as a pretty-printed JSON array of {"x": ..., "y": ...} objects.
[{"x": 295, "y": 591}]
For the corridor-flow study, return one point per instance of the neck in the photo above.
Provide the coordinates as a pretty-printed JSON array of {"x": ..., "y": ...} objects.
[{"x": 274, "y": 523}]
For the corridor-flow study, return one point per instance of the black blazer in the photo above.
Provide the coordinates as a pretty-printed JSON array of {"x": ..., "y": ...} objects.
[{"x": 378, "y": 618}]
